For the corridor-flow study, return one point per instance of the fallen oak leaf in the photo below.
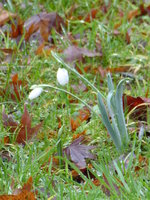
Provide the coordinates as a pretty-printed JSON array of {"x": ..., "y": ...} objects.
[
  {"x": 25, "y": 132},
  {"x": 78, "y": 153}
]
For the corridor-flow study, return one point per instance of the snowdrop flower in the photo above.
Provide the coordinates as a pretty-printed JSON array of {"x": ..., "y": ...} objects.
[
  {"x": 62, "y": 76},
  {"x": 35, "y": 93}
]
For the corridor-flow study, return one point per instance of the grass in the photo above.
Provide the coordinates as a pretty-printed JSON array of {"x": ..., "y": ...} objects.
[{"x": 32, "y": 159}]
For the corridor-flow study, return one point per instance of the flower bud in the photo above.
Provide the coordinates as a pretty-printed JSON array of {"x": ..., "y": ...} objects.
[
  {"x": 35, "y": 93},
  {"x": 62, "y": 76}
]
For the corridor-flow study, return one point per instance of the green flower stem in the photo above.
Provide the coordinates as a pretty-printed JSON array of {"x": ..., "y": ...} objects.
[
  {"x": 55, "y": 55},
  {"x": 62, "y": 90}
]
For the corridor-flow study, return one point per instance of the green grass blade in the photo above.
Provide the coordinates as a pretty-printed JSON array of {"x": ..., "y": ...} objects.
[{"x": 121, "y": 177}]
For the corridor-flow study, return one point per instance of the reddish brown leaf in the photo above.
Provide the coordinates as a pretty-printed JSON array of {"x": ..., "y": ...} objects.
[
  {"x": 6, "y": 16},
  {"x": 44, "y": 50},
  {"x": 102, "y": 71},
  {"x": 132, "y": 14},
  {"x": 75, "y": 124},
  {"x": 59, "y": 122},
  {"x": 23, "y": 193},
  {"x": 25, "y": 119},
  {"x": 143, "y": 163},
  {"x": 141, "y": 11},
  {"x": 78, "y": 153},
  {"x": 118, "y": 69},
  {"x": 76, "y": 136},
  {"x": 17, "y": 30},
  {"x": 83, "y": 115},
  {"x": 144, "y": 10},
  {"x": 25, "y": 132},
  {"x": 13, "y": 89},
  {"x": 86, "y": 69},
  {"x": 91, "y": 15},
  {"x": 15, "y": 83},
  {"x": 43, "y": 22},
  {"x": 7, "y": 50},
  {"x": 76, "y": 176},
  {"x": 73, "y": 53},
  {"x": 128, "y": 40},
  {"x": 147, "y": 92},
  {"x": 96, "y": 182},
  {"x": 140, "y": 111},
  {"x": 117, "y": 25}
]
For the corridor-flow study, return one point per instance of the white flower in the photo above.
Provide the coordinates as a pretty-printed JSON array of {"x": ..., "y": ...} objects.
[
  {"x": 35, "y": 93},
  {"x": 62, "y": 76}
]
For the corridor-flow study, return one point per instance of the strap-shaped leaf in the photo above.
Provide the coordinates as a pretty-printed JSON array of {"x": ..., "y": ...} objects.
[
  {"x": 120, "y": 114},
  {"x": 107, "y": 123},
  {"x": 111, "y": 88},
  {"x": 110, "y": 82},
  {"x": 113, "y": 117}
]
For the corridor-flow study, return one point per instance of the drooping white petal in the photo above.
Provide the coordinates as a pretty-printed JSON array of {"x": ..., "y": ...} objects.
[
  {"x": 35, "y": 93},
  {"x": 62, "y": 76}
]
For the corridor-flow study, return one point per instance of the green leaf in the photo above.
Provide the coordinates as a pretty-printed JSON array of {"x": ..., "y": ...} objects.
[
  {"x": 110, "y": 82},
  {"x": 107, "y": 123},
  {"x": 113, "y": 116},
  {"x": 120, "y": 114}
]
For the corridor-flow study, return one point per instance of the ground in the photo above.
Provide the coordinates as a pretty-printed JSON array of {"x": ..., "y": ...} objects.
[{"x": 56, "y": 145}]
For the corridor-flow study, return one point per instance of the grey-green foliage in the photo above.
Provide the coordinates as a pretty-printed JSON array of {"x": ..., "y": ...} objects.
[{"x": 116, "y": 126}]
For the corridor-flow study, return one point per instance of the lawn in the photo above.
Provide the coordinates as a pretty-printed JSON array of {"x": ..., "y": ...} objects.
[{"x": 74, "y": 99}]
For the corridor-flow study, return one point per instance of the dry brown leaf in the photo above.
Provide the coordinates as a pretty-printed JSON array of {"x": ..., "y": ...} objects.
[
  {"x": 140, "y": 112},
  {"x": 78, "y": 153},
  {"x": 13, "y": 89},
  {"x": 25, "y": 132},
  {"x": 132, "y": 14},
  {"x": 73, "y": 53},
  {"x": 83, "y": 115},
  {"x": 44, "y": 22},
  {"x": 23, "y": 193},
  {"x": 6, "y": 16},
  {"x": 81, "y": 87}
]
